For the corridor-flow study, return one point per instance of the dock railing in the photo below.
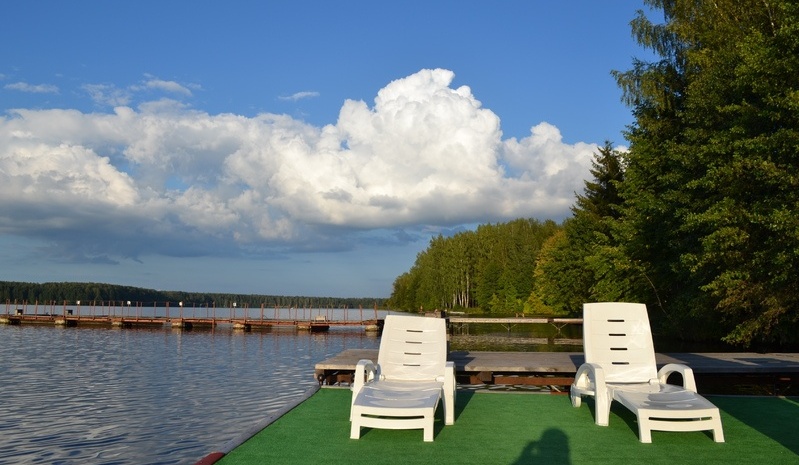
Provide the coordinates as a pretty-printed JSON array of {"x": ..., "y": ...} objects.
[
  {"x": 180, "y": 314},
  {"x": 196, "y": 315},
  {"x": 460, "y": 324}
]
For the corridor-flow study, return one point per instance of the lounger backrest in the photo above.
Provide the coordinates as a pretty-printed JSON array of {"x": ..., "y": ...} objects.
[
  {"x": 617, "y": 336},
  {"x": 413, "y": 348}
]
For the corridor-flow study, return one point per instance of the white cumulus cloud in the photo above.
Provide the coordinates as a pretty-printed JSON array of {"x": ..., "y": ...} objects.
[{"x": 165, "y": 178}]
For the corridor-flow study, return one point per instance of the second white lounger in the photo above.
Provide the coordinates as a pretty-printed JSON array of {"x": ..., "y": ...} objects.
[
  {"x": 620, "y": 365},
  {"x": 403, "y": 389}
]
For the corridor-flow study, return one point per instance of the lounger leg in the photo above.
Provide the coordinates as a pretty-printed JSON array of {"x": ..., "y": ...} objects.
[
  {"x": 428, "y": 428},
  {"x": 449, "y": 408},
  {"x": 602, "y": 406},
  {"x": 355, "y": 427},
  {"x": 577, "y": 400},
  {"x": 450, "y": 391},
  {"x": 718, "y": 432},
  {"x": 644, "y": 430}
]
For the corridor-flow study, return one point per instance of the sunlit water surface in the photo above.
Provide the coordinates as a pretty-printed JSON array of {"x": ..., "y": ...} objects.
[{"x": 137, "y": 396}]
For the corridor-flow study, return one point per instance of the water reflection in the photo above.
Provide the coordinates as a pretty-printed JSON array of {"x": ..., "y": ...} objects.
[
  {"x": 525, "y": 337},
  {"x": 517, "y": 338},
  {"x": 101, "y": 395}
]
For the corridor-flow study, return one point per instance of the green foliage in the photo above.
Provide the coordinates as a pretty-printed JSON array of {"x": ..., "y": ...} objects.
[
  {"x": 573, "y": 264},
  {"x": 491, "y": 268},
  {"x": 710, "y": 194}
]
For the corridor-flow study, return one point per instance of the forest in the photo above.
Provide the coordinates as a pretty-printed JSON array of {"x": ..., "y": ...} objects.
[
  {"x": 57, "y": 293},
  {"x": 490, "y": 268},
  {"x": 697, "y": 219}
]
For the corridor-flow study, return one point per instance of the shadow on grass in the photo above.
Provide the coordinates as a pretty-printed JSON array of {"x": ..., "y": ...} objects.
[
  {"x": 629, "y": 417},
  {"x": 462, "y": 400},
  {"x": 551, "y": 449},
  {"x": 616, "y": 409},
  {"x": 769, "y": 416}
]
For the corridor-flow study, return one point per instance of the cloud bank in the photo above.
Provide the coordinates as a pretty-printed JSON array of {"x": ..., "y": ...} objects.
[{"x": 163, "y": 178}]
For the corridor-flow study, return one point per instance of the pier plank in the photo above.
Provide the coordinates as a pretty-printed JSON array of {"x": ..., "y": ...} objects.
[
  {"x": 558, "y": 368},
  {"x": 568, "y": 362},
  {"x": 131, "y": 321},
  {"x": 734, "y": 363}
]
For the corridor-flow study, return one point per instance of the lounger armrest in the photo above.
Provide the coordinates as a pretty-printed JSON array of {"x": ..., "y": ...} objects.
[
  {"x": 688, "y": 381},
  {"x": 590, "y": 374},
  {"x": 365, "y": 371},
  {"x": 590, "y": 381},
  {"x": 449, "y": 376}
]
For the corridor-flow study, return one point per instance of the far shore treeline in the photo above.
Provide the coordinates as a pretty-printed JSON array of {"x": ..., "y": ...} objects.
[
  {"x": 699, "y": 219},
  {"x": 56, "y": 293}
]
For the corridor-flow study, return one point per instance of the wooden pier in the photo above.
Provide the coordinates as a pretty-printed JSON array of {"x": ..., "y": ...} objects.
[
  {"x": 771, "y": 373},
  {"x": 245, "y": 324},
  {"x": 132, "y": 318},
  {"x": 176, "y": 315}
]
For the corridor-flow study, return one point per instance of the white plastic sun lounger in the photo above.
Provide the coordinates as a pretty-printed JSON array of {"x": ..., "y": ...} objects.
[
  {"x": 412, "y": 374},
  {"x": 620, "y": 365}
]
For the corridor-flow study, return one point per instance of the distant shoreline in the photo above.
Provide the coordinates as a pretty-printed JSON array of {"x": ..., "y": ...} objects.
[{"x": 17, "y": 292}]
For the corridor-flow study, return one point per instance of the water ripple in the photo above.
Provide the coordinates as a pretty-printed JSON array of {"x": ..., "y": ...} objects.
[{"x": 111, "y": 396}]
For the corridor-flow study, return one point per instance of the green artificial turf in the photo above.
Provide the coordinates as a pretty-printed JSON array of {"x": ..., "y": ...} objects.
[{"x": 523, "y": 428}]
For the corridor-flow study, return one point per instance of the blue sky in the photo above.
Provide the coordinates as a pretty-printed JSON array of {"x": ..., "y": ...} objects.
[{"x": 293, "y": 148}]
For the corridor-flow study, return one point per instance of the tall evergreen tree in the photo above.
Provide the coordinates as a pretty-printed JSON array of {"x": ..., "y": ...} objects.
[
  {"x": 567, "y": 268},
  {"x": 711, "y": 191}
]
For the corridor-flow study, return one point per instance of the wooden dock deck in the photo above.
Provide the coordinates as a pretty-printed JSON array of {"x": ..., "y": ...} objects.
[
  {"x": 133, "y": 321},
  {"x": 775, "y": 373}
]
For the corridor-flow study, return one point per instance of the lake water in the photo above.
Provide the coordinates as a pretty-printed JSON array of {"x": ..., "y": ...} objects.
[{"x": 138, "y": 396}]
